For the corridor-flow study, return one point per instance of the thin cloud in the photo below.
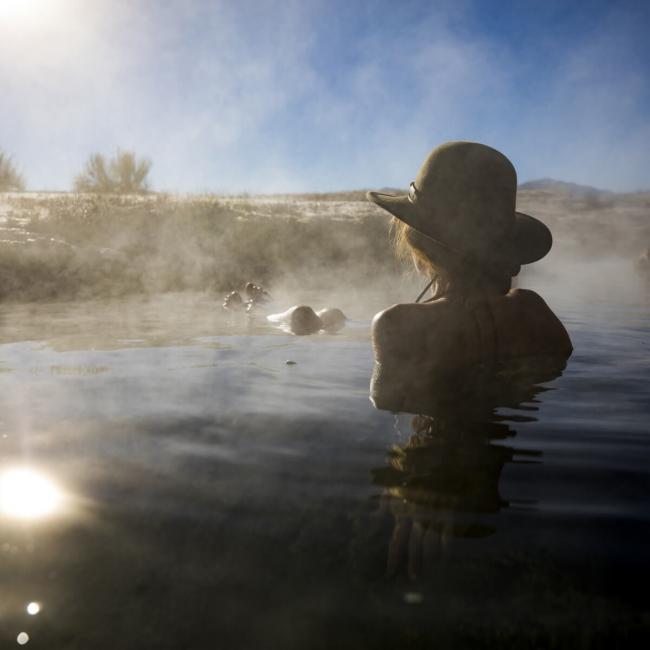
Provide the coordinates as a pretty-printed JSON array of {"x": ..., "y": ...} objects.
[{"x": 261, "y": 96}]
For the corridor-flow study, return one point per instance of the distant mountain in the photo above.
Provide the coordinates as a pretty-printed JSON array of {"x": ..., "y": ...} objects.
[{"x": 573, "y": 189}]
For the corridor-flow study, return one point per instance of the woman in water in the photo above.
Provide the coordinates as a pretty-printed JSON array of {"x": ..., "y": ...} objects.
[{"x": 459, "y": 225}]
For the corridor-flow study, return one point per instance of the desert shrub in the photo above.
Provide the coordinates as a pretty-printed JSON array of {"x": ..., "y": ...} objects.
[
  {"x": 10, "y": 179},
  {"x": 122, "y": 174}
]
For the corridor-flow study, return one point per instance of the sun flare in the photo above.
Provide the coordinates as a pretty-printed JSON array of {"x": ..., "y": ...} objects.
[
  {"x": 24, "y": 11},
  {"x": 28, "y": 494}
]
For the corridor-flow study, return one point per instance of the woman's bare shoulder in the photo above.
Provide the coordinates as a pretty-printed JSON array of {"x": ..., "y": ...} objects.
[
  {"x": 543, "y": 326},
  {"x": 407, "y": 318},
  {"x": 410, "y": 337},
  {"x": 414, "y": 346},
  {"x": 407, "y": 311},
  {"x": 525, "y": 294}
]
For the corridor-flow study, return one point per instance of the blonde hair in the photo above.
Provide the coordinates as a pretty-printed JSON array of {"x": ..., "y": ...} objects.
[{"x": 450, "y": 271}]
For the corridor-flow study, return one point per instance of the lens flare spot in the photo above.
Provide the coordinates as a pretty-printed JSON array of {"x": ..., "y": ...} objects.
[
  {"x": 33, "y": 608},
  {"x": 27, "y": 494},
  {"x": 22, "y": 638}
]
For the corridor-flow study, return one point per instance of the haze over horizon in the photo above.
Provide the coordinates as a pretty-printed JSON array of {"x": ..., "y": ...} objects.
[{"x": 323, "y": 96}]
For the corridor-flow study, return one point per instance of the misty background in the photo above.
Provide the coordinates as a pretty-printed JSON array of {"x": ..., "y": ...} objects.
[
  {"x": 259, "y": 96},
  {"x": 213, "y": 143}
]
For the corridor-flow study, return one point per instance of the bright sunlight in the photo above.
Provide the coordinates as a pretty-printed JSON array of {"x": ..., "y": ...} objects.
[
  {"x": 22, "y": 12},
  {"x": 28, "y": 494}
]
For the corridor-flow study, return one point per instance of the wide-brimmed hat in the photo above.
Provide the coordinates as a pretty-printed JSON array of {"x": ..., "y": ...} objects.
[{"x": 464, "y": 199}]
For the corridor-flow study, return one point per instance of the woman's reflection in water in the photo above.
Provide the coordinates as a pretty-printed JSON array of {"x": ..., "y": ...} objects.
[{"x": 443, "y": 483}]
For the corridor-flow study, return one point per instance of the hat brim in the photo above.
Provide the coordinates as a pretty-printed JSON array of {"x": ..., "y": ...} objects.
[{"x": 531, "y": 239}]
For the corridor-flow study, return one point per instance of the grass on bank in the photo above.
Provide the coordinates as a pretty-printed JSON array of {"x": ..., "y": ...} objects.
[
  {"x": 85, "y": 246},
  {"x": 67, "y": 246}
]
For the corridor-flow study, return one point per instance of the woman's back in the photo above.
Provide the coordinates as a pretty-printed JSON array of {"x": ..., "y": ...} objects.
[{"x": 419, "y": 347}]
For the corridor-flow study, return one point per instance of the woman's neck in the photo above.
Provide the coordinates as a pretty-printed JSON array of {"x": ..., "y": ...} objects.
[{"x": 462, "y": 291}]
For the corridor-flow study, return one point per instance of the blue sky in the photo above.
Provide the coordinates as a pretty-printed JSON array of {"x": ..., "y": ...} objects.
[{"x": 260, "y": 96}]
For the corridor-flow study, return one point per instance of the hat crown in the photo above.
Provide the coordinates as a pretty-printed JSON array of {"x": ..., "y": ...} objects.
[{"x": 472, "y": 189}]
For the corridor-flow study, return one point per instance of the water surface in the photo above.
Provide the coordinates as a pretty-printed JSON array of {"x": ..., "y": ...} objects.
[{"x": 208, "y": 494}]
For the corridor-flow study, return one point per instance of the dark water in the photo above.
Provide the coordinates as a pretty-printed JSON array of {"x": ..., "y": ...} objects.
[{"x": 212, "y": 496}]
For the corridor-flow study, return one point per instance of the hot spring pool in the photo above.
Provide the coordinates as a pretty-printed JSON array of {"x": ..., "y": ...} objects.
[{"x": 169, "y": 481}]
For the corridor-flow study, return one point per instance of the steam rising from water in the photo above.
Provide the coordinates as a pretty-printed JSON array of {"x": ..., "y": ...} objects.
[{"x": 94, "y": 247}]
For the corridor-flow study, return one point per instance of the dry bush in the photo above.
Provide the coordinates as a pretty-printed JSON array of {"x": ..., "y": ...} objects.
[
  {"x": 10, "y": 179},
  {"x": 122, "y": 174}
]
